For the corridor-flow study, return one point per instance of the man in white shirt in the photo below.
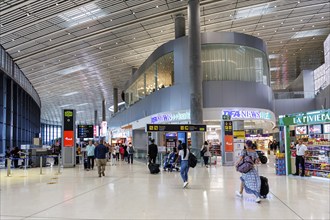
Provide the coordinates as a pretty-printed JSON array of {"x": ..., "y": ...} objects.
[{"x": 300, "y": 157}]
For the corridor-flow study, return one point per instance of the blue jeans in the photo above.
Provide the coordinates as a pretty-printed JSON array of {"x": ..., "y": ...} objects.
[{"x": 184, "y": 170}]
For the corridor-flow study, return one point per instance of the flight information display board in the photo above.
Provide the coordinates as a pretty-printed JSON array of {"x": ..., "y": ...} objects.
[
  {"x": 175, "y": 127},
  {"x": 85, "y": 131}
]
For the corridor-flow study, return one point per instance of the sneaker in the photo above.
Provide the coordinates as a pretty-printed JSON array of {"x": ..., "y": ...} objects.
[
  {"x": 238, "y": 194},
  {"x": 185, "y": 184},
  {"x": 103, "y": 174},
  {"x": 257, "y": 200},
  {"x": 296, "y": 174},
  {"x": 99, "y": 175}
]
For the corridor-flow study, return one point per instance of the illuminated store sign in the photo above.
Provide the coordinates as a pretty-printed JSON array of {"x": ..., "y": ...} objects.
[
  {"x": 247, "y": 114},
  {"x": 177, "y": 116},
  {"x": 321, "y": 116}
]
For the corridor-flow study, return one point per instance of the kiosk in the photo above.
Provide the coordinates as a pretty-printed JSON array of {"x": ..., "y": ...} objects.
[{"x": 314, "y": 129}]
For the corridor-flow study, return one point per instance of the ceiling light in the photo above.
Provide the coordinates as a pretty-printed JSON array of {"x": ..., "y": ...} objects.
[
  {"x": 59, "y": 60},
  {"x": 133, "y": 38},
  {"x": 56, "y": 4},
  {"x": 27, "y": 14},
  {"x": 253, "y": 12},
  {"x": 110, "y": 19},
  {"x": 297, "y": 39},
  {"x": 69, "y": 33},
  {"x": 82, "y": 14},
  {"x": 83, "y": 104},
  {"x": 273, "y": 56},
  {"x": 274, "y": 69},
  {"x": 209, "y": 19},
  {"x": 70, "y": 93},
  {"x": 161, "y": 31},
  {"x": 50, "y": 39},
  {"x": 301, "y": 20},
  {"x": 310, "y": 33},
  {"x": 116, "y": 42},
  {"x": 281, "y": 42},
  {"x": 63, "y": 106},
  {"x": 243, "y": 29},
  {"x": 292, "y": 28},
  {"x": 300, "y": 49},
  {"x": 275, "y": 31},
  {"x": 100, "y": 48},
  {"x": 258, "y": 34},
  {"x": 156, "y": 6},
  {"x": 313, "y": 38},
  {"x": 298, "y": 2},
  {"x": 263, "y": 26},
  {"x": 133, "y": 13},
  {"x": 275, "y": 6},
  {"x": 322, "y": 17},
  {"x": 18, "y": 51},
  {"x": 281, "y": 22},
  {"x": 1, "y": 25},
  {"x": 87, "y": 27}
]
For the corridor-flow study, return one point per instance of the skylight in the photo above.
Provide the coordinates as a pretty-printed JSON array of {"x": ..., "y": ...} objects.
[
  {"x": 82, "y": 14},
  {"x": 253, "y": 12},
  {"x": 310, "y": 33},
  {"x": 71, "y": 70}
]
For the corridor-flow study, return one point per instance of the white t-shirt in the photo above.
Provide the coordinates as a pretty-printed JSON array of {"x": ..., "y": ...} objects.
[
  {"x": 181, "y": 153},
  {"x": 301, "y": 149}
]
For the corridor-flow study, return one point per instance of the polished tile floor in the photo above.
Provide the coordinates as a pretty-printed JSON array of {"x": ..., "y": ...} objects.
[{"x": 130, "y": 192}]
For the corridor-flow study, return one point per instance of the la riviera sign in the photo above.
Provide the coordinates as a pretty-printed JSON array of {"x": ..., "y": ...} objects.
[{"x": 314, "y": 117}]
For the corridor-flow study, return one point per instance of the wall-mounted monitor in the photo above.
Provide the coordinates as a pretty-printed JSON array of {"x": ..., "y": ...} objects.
[
  {"x": 326, "y": 128},
  {"x": 315, "y": 129},
  {"x": 300, "y": 130},
  {"x": 85, "y": 131}
]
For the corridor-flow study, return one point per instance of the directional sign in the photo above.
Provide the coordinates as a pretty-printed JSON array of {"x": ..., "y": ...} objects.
[{"x": 175, "y": 127}]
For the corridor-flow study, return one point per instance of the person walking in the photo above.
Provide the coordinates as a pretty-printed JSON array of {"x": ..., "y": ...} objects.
[
  {"x": 130, "y": 151},
  {"x": 205, "y": 151},
  {"x": 300, "y": 158},
  {"x": 250, "y": 181},
  {"x": 90, "y": 155},
  {"x": 184, "y": 155},
  {"x": 152, "y": 151},
  {"x": 100, "y": 155},
  {"x": 117, "y": 148}
]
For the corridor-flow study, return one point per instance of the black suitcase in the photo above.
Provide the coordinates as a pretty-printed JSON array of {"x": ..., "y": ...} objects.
[
  {"x": 153, "y": 168},
  {"x": 85, "y": 163},
  {"x": 264, "y": 188}
]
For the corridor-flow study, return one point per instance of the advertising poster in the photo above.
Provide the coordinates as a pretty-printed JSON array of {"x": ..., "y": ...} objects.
[
  {"x": 68, "y": 139},
  {"x": 229, "y": 145},
  {"x": 68, "y": 133}
]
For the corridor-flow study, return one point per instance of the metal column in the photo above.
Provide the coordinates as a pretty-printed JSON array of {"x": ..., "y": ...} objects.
[
  {"x": 195, "y": 68},
  {"x": 115, "y": 100}
]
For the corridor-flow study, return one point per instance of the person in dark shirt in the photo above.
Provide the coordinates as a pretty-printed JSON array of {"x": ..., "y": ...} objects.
[
  {"x": 152, "y": 151},
  {"x": 15, "y": 154},
  {"x": 100, "y": 153}
]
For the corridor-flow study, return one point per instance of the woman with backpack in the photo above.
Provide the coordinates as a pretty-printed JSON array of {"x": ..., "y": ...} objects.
[
  {"x": 250, "y": 181},
  {"x": 184, "y": 155},
  {"x": 205, "y": 153}
]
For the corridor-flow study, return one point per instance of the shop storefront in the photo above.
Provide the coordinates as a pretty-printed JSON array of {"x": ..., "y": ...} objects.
[{"x": 314, "y": 129}]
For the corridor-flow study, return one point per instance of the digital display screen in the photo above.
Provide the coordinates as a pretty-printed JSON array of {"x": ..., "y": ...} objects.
[
  {"x": 326, "y": 128},
  {"x": 85, "y": 131},
  {"x": 315, "y": 129},
  {"x": 301, "y": 130}
]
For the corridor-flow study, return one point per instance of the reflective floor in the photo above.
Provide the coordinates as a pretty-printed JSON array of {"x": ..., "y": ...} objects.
[{"x": 130, "y": 192}]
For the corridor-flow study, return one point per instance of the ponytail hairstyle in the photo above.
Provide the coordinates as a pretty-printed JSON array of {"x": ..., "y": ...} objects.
[{"x": 184, "y": 146}]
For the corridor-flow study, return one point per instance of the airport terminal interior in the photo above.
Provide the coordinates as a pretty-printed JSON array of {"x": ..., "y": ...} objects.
[{"x": 164, "y": 109}]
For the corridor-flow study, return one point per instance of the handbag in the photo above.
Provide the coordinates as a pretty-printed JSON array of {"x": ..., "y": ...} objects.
[
  {"x": 245, "y": 164},
  {"x": 192, "y": 160}
]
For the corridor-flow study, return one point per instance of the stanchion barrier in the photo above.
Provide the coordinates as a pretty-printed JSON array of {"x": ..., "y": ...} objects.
[
  {"x": 8, "y": 166},
  {"x": 40, "y": 165}
]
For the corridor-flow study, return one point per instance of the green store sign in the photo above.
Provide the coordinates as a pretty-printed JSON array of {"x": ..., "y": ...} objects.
[{"x": 314, "y": 117}]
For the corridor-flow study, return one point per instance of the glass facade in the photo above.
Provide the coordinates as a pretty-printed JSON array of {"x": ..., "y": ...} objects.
[
  {"x": 19, "y": 106},
  {"x": 157, "y": 76},
  {"x": 50, "y": 133},
  {"x": 221, "y": 62}
]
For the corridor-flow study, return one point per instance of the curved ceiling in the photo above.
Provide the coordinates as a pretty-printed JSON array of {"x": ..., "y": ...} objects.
[{"x": 75, "y": 52}]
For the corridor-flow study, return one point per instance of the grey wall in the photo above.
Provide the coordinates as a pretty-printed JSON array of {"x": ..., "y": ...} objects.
[
  {"x": 289, "y": 106},
  {"x": 237, "y": 94},
  {"x": 322, "y": 100},
  {"x": 140, "y": 139}
]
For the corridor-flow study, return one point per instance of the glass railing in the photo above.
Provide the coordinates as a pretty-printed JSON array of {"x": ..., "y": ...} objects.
[{"x": 294, "y": 95}]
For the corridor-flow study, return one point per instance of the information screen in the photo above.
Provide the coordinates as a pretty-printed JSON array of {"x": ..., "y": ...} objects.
[
  {"x": 315, "y": 129},
  {"x": 301, "y": 130},
  {"x": 85, "y": 131},
  {"x": 326, "y": 128}
]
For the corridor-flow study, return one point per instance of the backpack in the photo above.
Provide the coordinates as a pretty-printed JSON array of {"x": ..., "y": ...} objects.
[
  {"x": 130, "y": 150},
  {"x": 203, "y": 151},
  {"x": 192, "y": 160},
  {"x": 245, "y": 165}
]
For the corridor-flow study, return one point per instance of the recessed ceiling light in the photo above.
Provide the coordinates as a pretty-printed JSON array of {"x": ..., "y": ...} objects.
[
  {"x": 322, "y": 17},
  {"x": 300, "y": 49},
  {"x": 110, "y": 19},
  {"x": 87, "y": 27},
  {"x": 258, "y": 33},
  {"x": 281, "y": 42},
  {"x": 133, "y": 38},
  {"x": 301, "y": 20},
  {"x": 313, "y": 25},
  {"x": 275, "y": 31},
  {"x": 56, "y": 4},
  {"x": 209, "y": 19},
  {"x": 116, "y": 42},
  {"x": 1, "y": 25},
  {"x": 133, "y": 13},
  {"x": 292, "y": 28},
  {"x": 100, "y": 48},
  {"x": 13, "y": 39},
  {"x": 18, "y": 51},
  {"x": 75, "y": 55},
  {"x": 69, "y": 33},
  {"x": 298, "y": 2},
  {"x": 297, "y": 39},
  {"x": 157, "y": 6},
  {"x": 59, "y": 60},
  {"x": 50, "y": 39},
  {"x": 230, "y": 15},
  {"x": 161, "y": 31},
  {"x": 27, "y": 14},
  {"x": 313, "y": 38},
  {"x": 275, "y": 6},
  {"x": 263, "y": 26},
  {"x": 281, "y": 22}
]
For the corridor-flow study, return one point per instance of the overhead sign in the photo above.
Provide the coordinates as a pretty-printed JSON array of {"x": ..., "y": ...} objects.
[
  {"x": 172, "y": 116},
  {"x": 175, "y": 127},
  {"x": 314, "y": 117},
  {"x": 85, "y": 131},
  {"x": 247, "y": 114}
]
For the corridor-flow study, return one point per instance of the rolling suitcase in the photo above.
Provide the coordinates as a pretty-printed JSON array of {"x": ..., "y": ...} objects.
[
  {"x": 153, "y": 168},
  {"x": 85, "y": 163},
  {"x": 264, "y": 188}
]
